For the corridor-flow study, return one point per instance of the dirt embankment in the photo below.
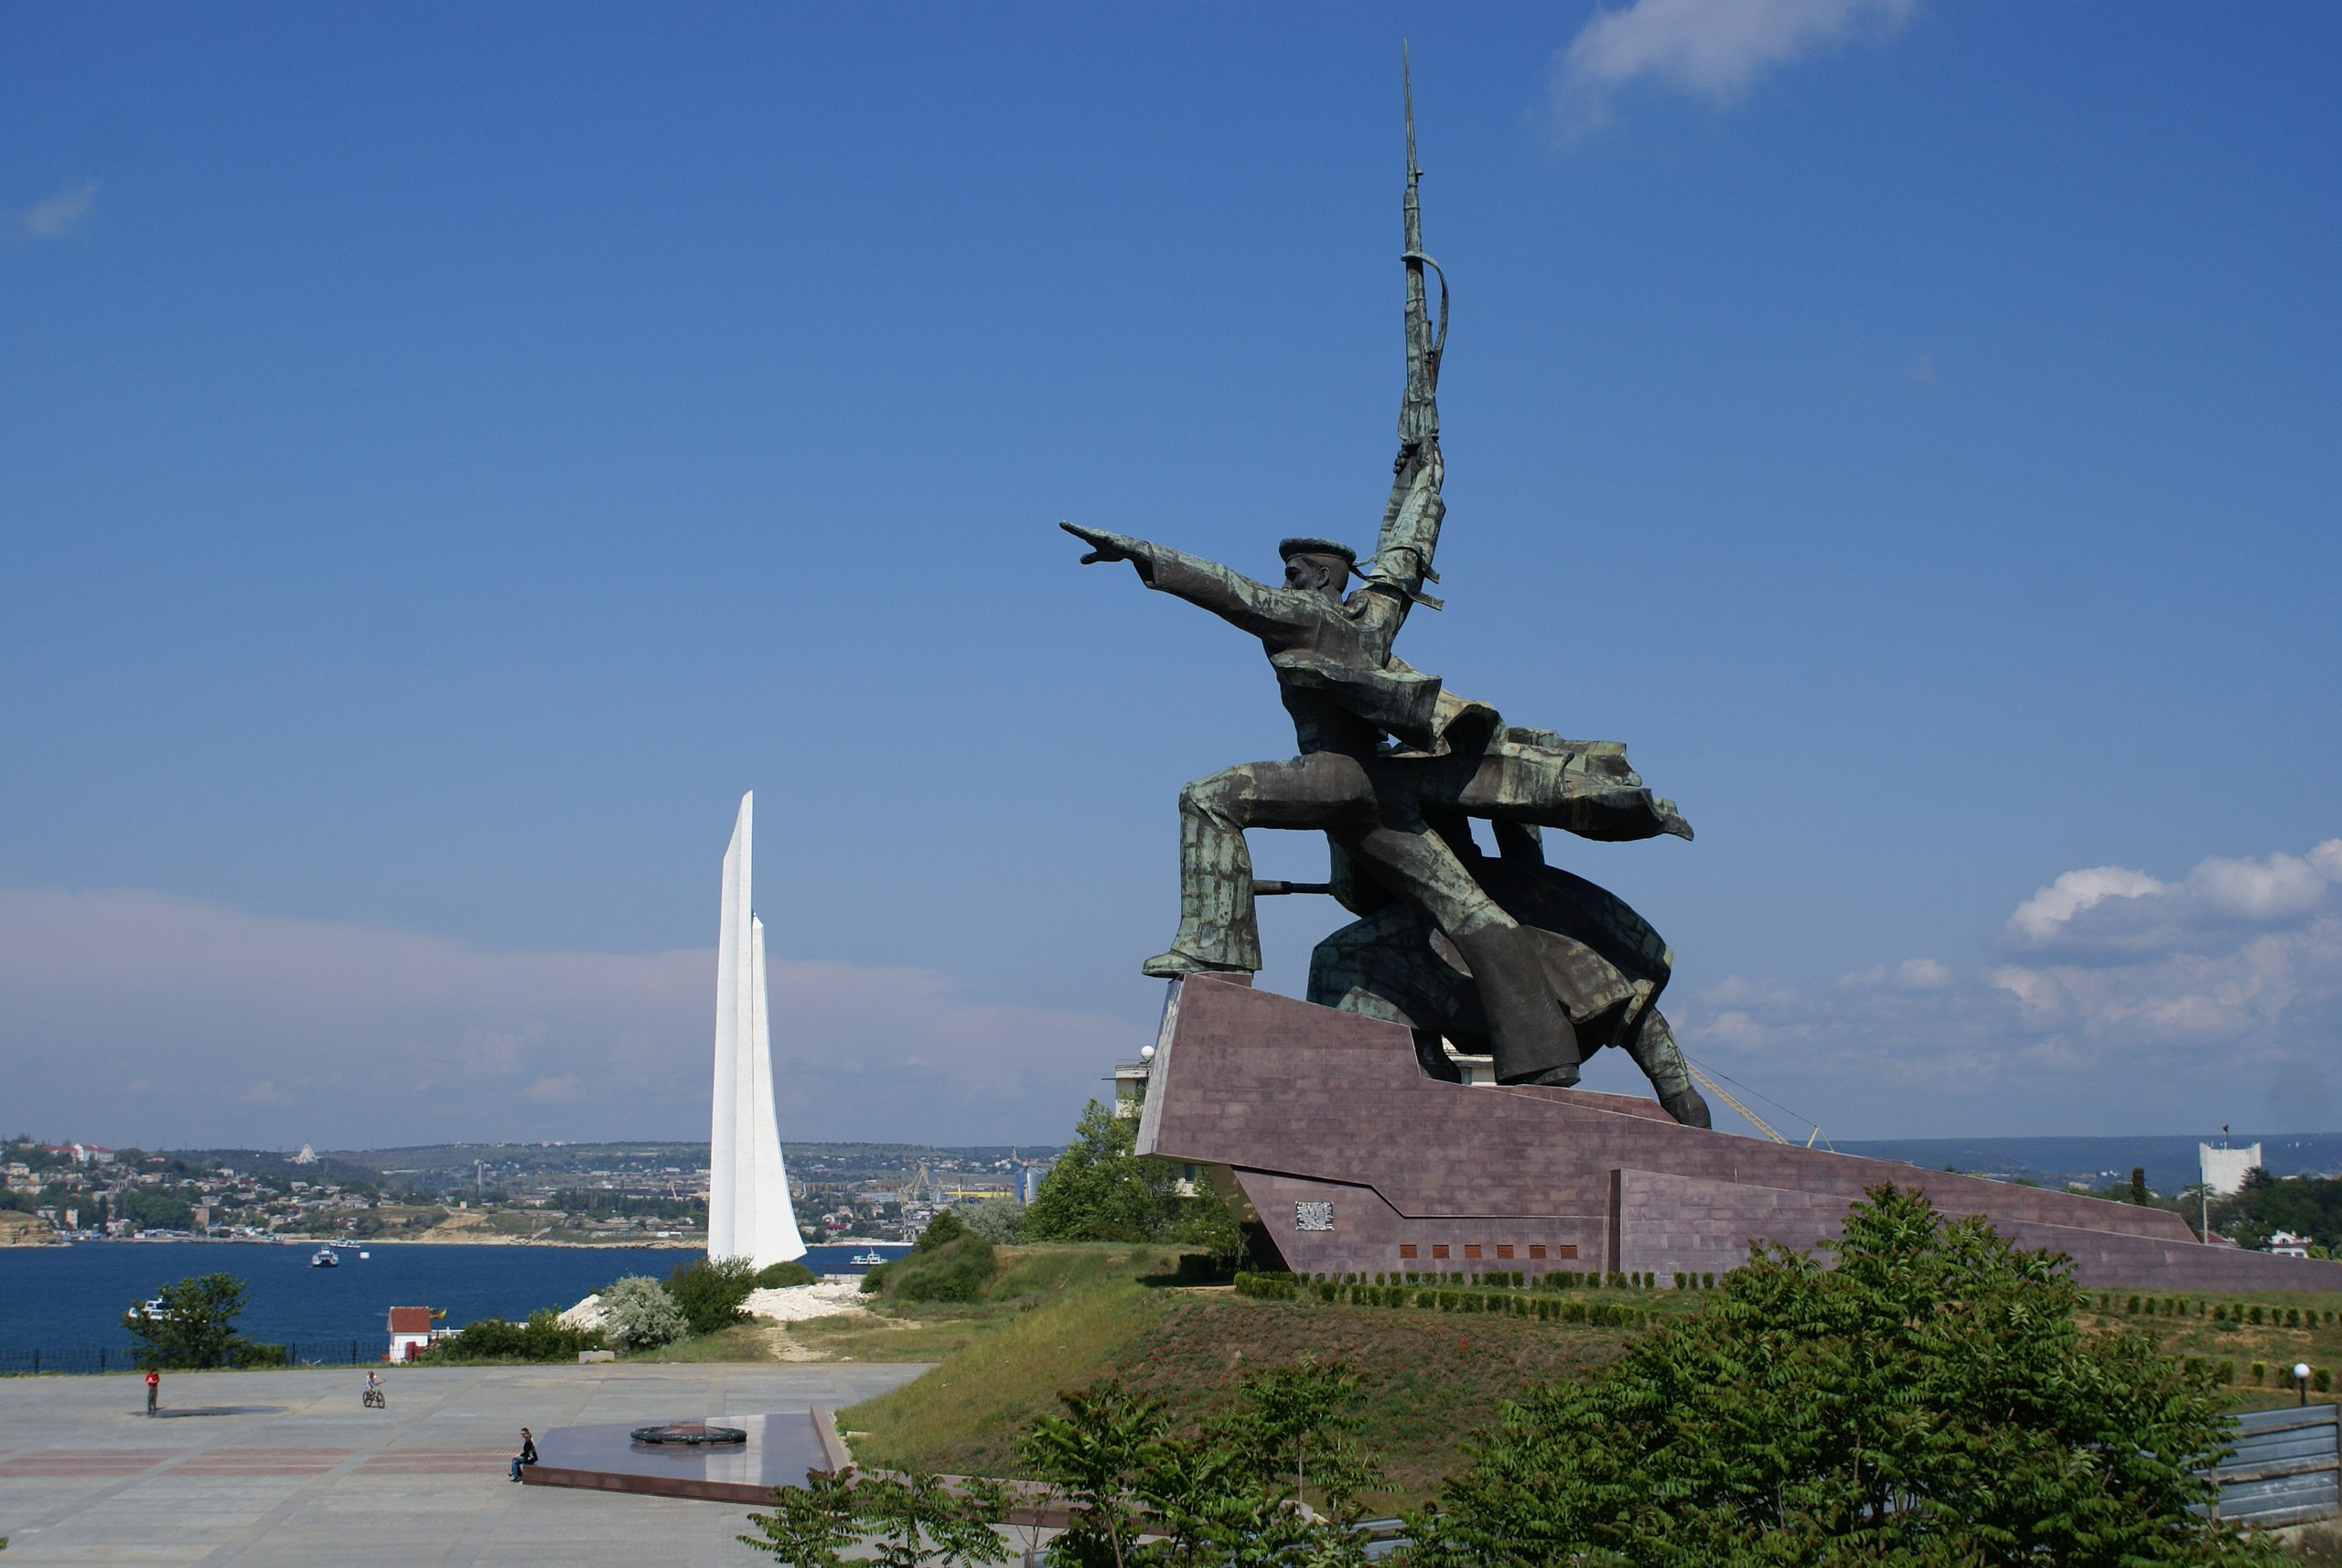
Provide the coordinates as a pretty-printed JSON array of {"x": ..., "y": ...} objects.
[{"x": 21, "y": 1229}]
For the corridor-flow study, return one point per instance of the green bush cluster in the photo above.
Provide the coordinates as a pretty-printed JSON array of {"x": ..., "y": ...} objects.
[
  {"x": 1931, "y": 1399},
  {"x": 781, "y": 1276},
  {"x": 948, "y": 1263},
  {"x": 709, "y": 1292},
  {"x": 540, "y": 1337}
]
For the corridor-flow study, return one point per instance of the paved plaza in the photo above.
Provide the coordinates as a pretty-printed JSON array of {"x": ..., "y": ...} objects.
[{"x": 292, "y": 1470}]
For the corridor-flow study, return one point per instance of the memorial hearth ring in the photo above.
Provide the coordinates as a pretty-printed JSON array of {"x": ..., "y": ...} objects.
[{"x": 691, "y": 1433}]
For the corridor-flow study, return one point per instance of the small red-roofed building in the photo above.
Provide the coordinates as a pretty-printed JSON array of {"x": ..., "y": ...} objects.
[{"x": 411, "y": 1332}]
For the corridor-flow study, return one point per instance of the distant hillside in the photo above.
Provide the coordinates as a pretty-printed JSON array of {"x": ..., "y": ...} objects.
[{"x": 2170, "y": 1160}]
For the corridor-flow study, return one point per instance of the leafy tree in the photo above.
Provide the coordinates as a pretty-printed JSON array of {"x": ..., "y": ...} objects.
[
  {"x": 1000, "y": 1221},
  {"x": 1100, "y": 1191},
  {"x": 1930, "y": 1401},
  {"x": 708, "y": 1292},
  {"x": 1207, "y": 1221},
  {"x": 909, "y": 1521},
  {"x": 1216, "y": 1497},
  {"x": 1301, "y": 1415},
  {"x": 943, "y": 1230},
  {"x": 196, "y": 1326},
  {"x": 637, "y": 1314},
  {"x": 150, "y": 1208},
  {"x": 1097, "y": 1454}
]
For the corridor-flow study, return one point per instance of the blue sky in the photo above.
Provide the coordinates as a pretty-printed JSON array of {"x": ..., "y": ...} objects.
[{"x": 448, "y": 454}]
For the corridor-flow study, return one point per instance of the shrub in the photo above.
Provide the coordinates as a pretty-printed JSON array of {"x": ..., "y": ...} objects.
[
  {"x": 638, "y": 1313},
  {"x": 779, "y": 1276},
  {"x": 539, "y": 1339},
  {"x": 2258, "y": 1371},
  {"x": 2321, "y": 1379},
  {"x": 957, "y": 1270},
  {"x": 708, "y": 1292}
]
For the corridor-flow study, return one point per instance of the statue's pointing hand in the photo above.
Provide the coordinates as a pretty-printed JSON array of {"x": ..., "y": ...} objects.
[{"x": 1103, "y": 546}]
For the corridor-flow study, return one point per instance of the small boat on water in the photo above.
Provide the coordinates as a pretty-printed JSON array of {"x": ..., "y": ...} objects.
[
  {"x": 325, "y": 1258},
  {"x": 867, "y": 1259}
]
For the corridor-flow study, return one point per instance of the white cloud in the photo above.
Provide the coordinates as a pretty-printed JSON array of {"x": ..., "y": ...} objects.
[
  {"x": 55, "y": 216},
  {"x": 2112, "y": 910},
  {"x": 257, "y": 1030},
  {"x": 2139, "y": 1003},
  {"x": 1714, "y": 50}
]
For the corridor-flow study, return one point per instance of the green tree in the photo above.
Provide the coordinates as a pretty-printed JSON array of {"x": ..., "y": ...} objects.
[
  {"x": 1100, "y": 1191},
  {"x": 708, "y": 1291},
  {"x": 1296, "y": 1425},
  {"x": 1929, "y": 1400},
  {"x": 1097, "y": 1454},
  {"x": 907, "y": 1521},
  {"x": 1000, "y": 1221},
  {"x": 194, "y": 1326}
]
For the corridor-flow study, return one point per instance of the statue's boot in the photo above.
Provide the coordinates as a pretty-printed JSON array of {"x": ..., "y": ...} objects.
[
  {"x": 1655, "y": 1051},
  {"x": 1175, "y": 963},
  {"x": 1528, "y": 1032}
]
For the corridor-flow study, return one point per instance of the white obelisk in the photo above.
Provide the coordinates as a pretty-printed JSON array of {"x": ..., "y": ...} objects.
[{"x": 749, "y": 1212}]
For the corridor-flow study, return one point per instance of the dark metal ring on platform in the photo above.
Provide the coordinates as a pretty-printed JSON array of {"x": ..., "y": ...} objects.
[{"x": 696, "y": 1433}]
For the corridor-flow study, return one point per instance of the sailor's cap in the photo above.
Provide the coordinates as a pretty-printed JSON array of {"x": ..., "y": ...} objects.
[{"x": 1289, "y": 548}]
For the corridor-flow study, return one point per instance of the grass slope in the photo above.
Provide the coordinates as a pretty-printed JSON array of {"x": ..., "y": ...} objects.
[{"x": 1061, "y": 1317}]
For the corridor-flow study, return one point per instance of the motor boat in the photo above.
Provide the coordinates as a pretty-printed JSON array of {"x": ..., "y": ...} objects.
[
  {"x": 325, "y": 1258},
  {"x": 868, "y": 1260}
]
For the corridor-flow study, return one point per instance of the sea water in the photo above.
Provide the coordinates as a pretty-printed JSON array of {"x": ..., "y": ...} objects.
[{"x": 72, "y": 1298}]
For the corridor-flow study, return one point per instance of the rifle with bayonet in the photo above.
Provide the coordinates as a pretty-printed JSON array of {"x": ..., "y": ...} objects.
[{"x": 1411, "y": 519}]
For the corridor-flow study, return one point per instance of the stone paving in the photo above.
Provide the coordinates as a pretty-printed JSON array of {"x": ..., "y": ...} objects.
[{"x": 292, "y": 1470}]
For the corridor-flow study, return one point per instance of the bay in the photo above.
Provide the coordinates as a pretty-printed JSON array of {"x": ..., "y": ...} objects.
[{"x": 71, "y": 1298}]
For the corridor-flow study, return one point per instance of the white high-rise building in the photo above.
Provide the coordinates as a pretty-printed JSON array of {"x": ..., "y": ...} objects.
[{"x": 749, "y": 1212}]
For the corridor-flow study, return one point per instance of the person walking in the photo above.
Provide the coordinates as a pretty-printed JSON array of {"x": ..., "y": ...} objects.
[
  {"x": 528, "y": 1454},
  {"x": 154, "y": 1386}
]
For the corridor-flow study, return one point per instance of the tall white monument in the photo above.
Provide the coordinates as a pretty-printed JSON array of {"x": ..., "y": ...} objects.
[{"x": 749, "y": 1212}]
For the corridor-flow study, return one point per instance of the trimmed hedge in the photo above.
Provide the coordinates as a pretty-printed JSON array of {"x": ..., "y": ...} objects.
[{"x": 1512, "y": 1301}]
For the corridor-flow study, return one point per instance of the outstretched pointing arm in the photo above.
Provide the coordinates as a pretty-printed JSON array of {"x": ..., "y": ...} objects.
[{"x": 1237, "y": 599}]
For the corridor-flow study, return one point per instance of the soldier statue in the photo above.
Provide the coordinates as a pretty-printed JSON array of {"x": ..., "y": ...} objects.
[{"x": 1502, "y": 953}]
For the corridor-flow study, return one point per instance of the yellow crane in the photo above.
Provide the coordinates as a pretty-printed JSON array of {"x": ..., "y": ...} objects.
[{"x": 1712, "y": 1087}]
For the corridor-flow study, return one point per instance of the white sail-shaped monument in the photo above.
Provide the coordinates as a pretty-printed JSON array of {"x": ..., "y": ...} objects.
[{"x": 749, "y": 1212}]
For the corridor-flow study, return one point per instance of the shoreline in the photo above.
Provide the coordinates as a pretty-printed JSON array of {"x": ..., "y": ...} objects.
[{"x": 465, "y": 1238}]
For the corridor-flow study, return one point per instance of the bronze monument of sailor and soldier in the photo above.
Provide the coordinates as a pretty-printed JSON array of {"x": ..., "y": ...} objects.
[{"x": 1503, "y": 955}]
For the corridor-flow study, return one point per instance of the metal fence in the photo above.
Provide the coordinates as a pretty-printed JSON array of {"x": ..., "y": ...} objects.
[
  {"x": 2287, "y": 1467},
  {"x": 361, "y": 1352}
]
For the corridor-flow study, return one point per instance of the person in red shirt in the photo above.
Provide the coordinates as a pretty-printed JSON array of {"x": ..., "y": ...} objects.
[{"x": 154, "y": 1386}]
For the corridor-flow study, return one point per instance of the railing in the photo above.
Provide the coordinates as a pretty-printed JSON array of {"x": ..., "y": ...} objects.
[
  {"x": 2287, "y": 1467},
  {"x": 85, "y": 1359}
]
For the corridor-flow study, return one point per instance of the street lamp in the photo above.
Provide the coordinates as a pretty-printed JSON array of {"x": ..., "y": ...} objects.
[{"x": 2301, "y": 1379}]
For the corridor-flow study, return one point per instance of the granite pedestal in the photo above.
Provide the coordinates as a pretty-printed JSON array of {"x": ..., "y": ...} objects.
[{"x": 1357, "y": 1162}]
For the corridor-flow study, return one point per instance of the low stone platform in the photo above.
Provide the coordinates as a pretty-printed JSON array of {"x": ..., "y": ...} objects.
[
  {"x": 607, "y": 1459},
  {"x": 1357, "y": 1162}
]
